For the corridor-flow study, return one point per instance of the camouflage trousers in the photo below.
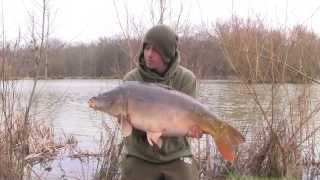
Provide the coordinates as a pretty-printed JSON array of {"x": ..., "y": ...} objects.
[{"x": 133, "y": 168}]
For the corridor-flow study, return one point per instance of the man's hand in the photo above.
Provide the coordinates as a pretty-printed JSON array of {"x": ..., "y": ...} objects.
[{"x": 195, "y": 132}]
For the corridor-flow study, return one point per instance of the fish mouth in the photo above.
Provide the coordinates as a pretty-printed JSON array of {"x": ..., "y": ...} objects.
[{"x": 92, "y": 103}]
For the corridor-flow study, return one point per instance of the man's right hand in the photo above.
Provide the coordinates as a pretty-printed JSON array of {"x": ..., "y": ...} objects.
[{"x": 195, "y": 132}]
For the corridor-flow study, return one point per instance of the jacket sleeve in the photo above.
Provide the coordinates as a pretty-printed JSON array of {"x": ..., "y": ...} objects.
[{"x": 189, "y": 84}]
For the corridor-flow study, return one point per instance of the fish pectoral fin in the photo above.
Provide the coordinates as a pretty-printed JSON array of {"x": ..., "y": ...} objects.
[
  {"x": 126, "y": 127},
  {"x": 154, "y": 138}
]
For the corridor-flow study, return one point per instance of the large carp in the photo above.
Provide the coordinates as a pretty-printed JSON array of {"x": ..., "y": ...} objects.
[{"x": 161, "y": 111}]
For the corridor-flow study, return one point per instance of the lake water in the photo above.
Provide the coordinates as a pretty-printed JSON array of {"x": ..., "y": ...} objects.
[{"x": 64, "y": 103}]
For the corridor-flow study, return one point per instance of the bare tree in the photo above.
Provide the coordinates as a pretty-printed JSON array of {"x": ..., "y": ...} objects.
[{"x": 130, "y": 31}]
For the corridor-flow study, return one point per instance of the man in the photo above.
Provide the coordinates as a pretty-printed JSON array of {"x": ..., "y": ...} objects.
[{"x": 159, "y": 63}]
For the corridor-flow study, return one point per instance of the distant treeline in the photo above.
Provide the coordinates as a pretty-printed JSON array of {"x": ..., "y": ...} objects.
[
  {"x": 233, "y": 48},
  {"x": 109, "y": 57}
]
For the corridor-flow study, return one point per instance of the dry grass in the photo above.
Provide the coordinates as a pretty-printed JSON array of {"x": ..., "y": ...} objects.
[
  {"x": 283, "y": 139},
  {"x": 17, "y": 157}
]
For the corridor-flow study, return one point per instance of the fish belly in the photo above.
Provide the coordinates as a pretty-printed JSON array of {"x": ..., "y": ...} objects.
[{"x": 171, "y": 122}]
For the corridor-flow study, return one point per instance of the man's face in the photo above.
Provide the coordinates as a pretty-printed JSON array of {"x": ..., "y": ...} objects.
[{"x": 153, "y": 59}]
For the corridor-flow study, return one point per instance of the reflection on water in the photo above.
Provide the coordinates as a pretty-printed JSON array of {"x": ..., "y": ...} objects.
[{"x": 64, "y": 103}]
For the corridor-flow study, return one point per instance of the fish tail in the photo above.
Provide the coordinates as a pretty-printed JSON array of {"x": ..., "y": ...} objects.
[{"x": 227, "y": 140}]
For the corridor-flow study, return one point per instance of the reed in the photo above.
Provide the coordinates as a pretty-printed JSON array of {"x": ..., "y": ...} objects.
[{"x": 110, "y": 150}]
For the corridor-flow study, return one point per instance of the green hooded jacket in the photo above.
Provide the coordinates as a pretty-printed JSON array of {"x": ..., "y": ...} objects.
[{"x": 179, "y": 78}]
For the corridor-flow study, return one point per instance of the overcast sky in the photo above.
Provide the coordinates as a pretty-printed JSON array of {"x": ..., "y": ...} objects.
[{"x": 87, "y": 20}]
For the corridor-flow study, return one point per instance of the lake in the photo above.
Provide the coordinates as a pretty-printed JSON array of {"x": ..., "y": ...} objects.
[{"x": 64, "y": 104}]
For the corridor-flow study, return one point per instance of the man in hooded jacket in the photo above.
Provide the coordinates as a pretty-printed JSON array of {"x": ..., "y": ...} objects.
[{"x": 159, "y": 62}]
